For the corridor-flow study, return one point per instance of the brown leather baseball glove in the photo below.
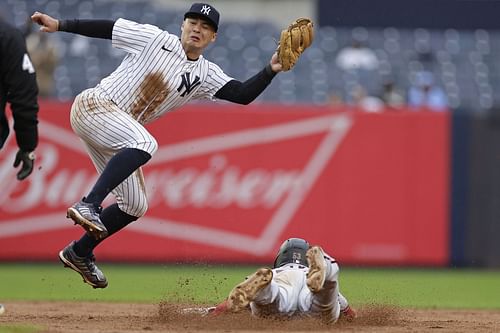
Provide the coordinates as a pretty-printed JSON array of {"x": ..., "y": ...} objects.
[{"x": 293, "y": 42}]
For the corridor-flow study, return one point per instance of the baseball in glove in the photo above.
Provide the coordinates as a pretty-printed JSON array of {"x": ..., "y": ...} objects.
[{"x": 293, "y": 42}]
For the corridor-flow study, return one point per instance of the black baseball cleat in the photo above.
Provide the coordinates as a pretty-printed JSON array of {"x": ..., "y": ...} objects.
[
  {"x": 85, "y": 266},
  {"x": 87, "y": 215}
]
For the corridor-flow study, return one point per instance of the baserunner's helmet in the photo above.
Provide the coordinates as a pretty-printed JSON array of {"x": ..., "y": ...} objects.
[{"x": 292, "y": 251}]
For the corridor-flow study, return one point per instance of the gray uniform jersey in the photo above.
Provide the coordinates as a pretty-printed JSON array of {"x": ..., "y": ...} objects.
[{"x": 154, "y": 77}]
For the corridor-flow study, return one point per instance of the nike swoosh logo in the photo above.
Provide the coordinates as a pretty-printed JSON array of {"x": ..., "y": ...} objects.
[{"x": 164, "y": 48}]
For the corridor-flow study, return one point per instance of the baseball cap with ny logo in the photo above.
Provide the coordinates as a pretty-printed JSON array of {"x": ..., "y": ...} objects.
[{"x": 204, "y": 11}]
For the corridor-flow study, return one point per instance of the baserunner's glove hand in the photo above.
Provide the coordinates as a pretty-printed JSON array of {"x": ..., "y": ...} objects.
[
  {"x": 293, "y": 42},
  {"x": 27, "y": 158}
]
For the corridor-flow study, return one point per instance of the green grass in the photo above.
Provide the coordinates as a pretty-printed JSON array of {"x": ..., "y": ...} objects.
[
  {"x": 425, "y": 288},
  {"x": 136, "y": 283},
  {"x": 18, "y": 329}
]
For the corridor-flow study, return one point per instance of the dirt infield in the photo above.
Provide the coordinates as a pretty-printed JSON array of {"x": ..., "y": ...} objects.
[{"x": 110, "y": 317}]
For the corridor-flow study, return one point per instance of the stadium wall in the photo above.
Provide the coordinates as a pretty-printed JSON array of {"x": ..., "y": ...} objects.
[
  {"x": 230, "y": 183},
  {"x": 430, "y": 14},
  {"x": 476, "y": 191}
]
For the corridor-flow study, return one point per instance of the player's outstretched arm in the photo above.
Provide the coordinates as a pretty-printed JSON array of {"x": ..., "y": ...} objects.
[
  {"x": 47, "y": 23},
  {"x": 90, "y": 28},
  {"x": 245, "y": 92}
]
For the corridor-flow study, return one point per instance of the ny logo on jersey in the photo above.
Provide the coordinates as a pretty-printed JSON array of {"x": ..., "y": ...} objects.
[
  {"x": 188, "y": 84},
  {"x": 205, "y": 9}
]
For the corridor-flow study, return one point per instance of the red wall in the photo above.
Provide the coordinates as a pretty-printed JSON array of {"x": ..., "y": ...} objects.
[{"x": 230, "y": 183}]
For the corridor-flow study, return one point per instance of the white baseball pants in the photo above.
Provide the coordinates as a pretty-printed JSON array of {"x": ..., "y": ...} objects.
[{"x": 105, "y": 130}]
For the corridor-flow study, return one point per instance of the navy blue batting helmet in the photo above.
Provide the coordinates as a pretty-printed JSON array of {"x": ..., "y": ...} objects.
[{"x": 292, "y": 251}]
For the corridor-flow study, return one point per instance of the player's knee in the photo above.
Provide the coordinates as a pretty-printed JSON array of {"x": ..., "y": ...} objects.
[
  {"x": 141, "y": 211},
  {"x": 137, "y": 210},
  {"x": 153, "y": 146},
  {"x": 148, "y": 145},
  {"x": 156, "y": 145}
]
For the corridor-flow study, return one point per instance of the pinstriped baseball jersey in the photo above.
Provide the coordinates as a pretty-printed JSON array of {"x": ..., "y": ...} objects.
[{"x": 156, "y": 76}]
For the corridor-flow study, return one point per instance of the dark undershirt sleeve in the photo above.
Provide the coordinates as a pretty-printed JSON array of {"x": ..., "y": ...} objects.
[
  {"x": 245, "y": 92},
  {"x": 90, "y": 28}
]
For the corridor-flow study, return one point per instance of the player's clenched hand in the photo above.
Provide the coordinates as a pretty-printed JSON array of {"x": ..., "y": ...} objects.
[
  {"x": 48, "y": 23},
  {"x": 275, "y": 64}
]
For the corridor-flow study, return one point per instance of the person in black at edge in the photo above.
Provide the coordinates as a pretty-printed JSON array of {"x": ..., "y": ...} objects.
[{"x": 19, "y": 88}]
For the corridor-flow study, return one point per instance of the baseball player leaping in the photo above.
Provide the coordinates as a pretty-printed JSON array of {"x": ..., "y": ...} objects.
[
  {"x": 159, "y": 73},
  {"x": 303, "y": 281}
]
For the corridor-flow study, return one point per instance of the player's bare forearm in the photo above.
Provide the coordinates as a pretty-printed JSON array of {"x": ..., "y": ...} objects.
[{"x": 47, "y": 23}]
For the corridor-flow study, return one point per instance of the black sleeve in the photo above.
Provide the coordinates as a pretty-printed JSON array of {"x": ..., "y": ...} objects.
[
  {"x": 90, "y": 28},
  {"x": 245, "y": 92},
  {"x": 19, "y": 82}
]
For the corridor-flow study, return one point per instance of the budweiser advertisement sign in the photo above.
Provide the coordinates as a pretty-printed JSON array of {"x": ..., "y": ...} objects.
[{"x": 230, "y": 183}]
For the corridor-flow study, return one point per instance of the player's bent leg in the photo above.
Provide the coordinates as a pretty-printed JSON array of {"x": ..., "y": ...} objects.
[
  {"x": 118, "y": 168},
  {"x": 131, "y": 195},
  {"x": 240, "y": 297},
  {"x": 93, "y": 117},
  {"x": 325, "y": 302},
  {"x": 322, "y": 281},
  {"x": 317, "y": 269},
  {"x": 85, "y": 266},
  {"x": 115, "y": 219}
]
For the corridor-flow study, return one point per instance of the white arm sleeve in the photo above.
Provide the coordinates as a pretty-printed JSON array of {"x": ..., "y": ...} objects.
[{"x": 131, "y": 36}]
